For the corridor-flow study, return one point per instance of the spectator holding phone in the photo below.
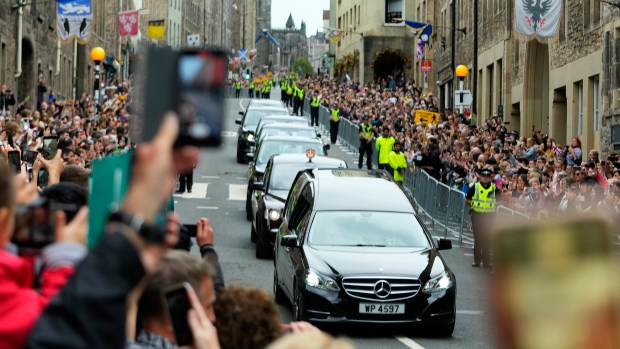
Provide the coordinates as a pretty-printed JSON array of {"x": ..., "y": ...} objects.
[{"x": 7, "y": 99}]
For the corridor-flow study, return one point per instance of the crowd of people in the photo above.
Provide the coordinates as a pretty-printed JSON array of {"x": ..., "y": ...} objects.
[
  {"x": 58, "y": 292},
  {"x": 535, "y": 175}
]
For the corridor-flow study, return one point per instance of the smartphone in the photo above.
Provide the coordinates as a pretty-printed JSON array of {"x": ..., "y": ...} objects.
[
  {"x": 539, "y": 293},
  {"x": 200, "y": 105},
  {"x": 36, "y": 223},
  {"x": 29, "y": 156},
  {"x": 531, "y": 190},
  {"x": 50, "y": 146},
  {"x": 42, "y": 178},
  {"x": 178, "y": 304},
  {"x": 15, "y": 161}
]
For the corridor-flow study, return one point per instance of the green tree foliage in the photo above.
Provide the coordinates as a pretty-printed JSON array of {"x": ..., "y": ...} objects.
[{"x": 303, "y": 64}]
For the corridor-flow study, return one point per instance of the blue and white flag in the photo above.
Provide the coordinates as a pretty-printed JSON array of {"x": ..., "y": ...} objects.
[
  {"x": 243, "y": 54},
  {"x": 74, "y": 20}
]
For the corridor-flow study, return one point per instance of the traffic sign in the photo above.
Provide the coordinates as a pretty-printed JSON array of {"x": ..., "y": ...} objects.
[
  {"x": 426, "y": 117},
  {"x": 426, "y": 66},
  {"x": 467, "y": 98}
]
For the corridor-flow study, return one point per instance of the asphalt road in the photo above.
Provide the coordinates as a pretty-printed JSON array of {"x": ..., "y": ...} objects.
[{"x": 219, "y": 194}]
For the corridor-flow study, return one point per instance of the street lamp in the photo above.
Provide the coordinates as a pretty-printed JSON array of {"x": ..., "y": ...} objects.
[
  {"x": 461, "y": 73},
  {"x": 97, "y": 55}
]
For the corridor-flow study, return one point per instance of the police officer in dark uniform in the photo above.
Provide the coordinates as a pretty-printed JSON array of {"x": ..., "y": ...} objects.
[
  {"x": 366, "y": 137},
  {"x": 186, "y": 180},
  {"x": 315, "y": 103},
  {"x": 482, "y": 197}
]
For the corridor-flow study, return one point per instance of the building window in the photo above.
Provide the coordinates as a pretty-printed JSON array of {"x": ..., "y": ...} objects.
[
  {"x": 595, "y": 103},
  {"x": 394, "y": 10},
  {"x": 595, "y": 7},
  {"x": 615, "y": 135},
  {"x": 3, "y": 64},
  {"x": 579, "y": 108},
  {"x": 516, "y": 52},
  {"x": 586, "y": 13}
]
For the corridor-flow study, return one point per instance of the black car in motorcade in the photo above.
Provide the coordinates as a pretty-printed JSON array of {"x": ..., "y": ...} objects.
[
  {"x": 269, "y": 196},
  {"x": 247, "y": 127},
  {"x": 272, "y": 119},
  {"x": 352, "y": 249},
  {"x": 276, "y": 145},
  {"x": 286, "y": 129}
]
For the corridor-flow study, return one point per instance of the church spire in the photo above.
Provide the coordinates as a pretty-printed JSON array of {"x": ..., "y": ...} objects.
[{"x": 290, "y": 24}]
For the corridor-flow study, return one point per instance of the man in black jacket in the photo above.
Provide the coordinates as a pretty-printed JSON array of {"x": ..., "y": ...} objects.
[{"x": 6, "y": 99}]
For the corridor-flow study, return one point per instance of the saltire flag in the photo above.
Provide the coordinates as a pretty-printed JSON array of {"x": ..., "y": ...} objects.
[
  {"x": 333, "y": 33},
  {"x": 419, "y": 52},
  {"x": 421, "y": 31},
  {"x": 268, "y": 35},
  {"x": 540, "y": 18},
  {"x": 556, "y": 150},
  {"x": 157, "y": 29},
  {"x": 73, "y": 20},
  {"x": 128, "y": 23}
]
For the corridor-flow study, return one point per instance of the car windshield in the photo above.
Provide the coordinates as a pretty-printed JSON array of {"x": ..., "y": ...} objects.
[
  {"x": 283, "y": 175},
  {"x": 309, "y": 133},
  {"x": 363, "y": 228},
  {"x": 253, "y": 116},
  {"x": 269, "y": 148}
]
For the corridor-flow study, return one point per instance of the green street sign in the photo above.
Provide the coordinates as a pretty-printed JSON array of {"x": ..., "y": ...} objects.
[{"x": 329, "y": 62}]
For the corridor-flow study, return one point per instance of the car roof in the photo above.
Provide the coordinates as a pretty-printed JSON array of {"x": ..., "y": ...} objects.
[
  {"x": 282, "y": 117},
  {"x": 358, "y": 190},
  {"x": 302, "y": 158},
  {"x": 267, "y": 108},
  {"x": 288, "y": 125},
  {"x": 291, "y": 139},
  {"x": 265, "y": 102}
]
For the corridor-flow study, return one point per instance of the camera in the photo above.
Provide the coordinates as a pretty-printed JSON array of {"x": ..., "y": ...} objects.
[{"x": 36, "y": 222}]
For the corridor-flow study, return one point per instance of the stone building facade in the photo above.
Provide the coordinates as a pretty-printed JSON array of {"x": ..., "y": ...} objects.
[
  {"x": 194, "y": 20},
  {"x": 317, "y": 48},
  {"x": 61, "y": 64},
  {"x": 566, "y": 88},
  {"x": 293, "y": 42},
  {"x": 172, "y": 12},
  {"x": 262, "y": 20},
  {"x": 371, "y": 26}
]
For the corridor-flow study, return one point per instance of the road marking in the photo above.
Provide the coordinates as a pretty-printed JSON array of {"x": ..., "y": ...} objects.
[
  {"x": 471, "y": 312},
  {"x": 229, "y": 134},
  {"x": 176, "y": 202},
  {"x": 468, "y": 254},
  {"x": 199, "y": 191},
  {"x": 240, "y": 105},
  {"x": 207, "y": 207},
  {"x": 410, "y": 343},
  {"x": 244, "y": 178},
  {"x": 237, "y": 192},
  {"x": 211, "y": 177}
]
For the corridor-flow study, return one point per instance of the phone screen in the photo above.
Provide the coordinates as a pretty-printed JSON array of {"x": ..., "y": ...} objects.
[
  {"x": 29, "y": 156},
  {"x": 15, "y": 161},
  {"x": 179, "y": 304},
  {"x": 42, "y": 178},
  {"x": 556, "y": 285},
  {"x": 50, "y": 146},
  {"x": 201, "y": 76}
]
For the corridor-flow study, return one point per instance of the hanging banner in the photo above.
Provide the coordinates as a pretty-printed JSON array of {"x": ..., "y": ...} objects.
[
  {"x": 157, "y": 29},
  {"x": 128, "y": 23},
  {"x": 539, "y": 18},
  {"x": 73, "y": 20},
  {"x": 193, "y": 40}
]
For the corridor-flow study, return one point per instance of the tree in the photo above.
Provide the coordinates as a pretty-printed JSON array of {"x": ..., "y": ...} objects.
[{"x": 303, "y": 64}]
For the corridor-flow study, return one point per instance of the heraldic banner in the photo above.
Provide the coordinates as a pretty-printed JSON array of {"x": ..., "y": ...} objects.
[
  {"x": 73, "y": 20},
  {"x": 538, "y": 18}
]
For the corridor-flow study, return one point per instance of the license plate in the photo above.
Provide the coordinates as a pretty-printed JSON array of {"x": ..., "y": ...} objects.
[{"x": 374, "y": 308}]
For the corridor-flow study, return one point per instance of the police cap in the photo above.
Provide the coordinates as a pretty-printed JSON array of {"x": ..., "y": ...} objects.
[
  {"x": 365, "y": 117},
  {"x": 485, "y": 172}
]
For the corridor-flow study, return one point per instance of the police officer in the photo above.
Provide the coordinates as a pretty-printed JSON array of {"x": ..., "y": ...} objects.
[
  {"x": 315, "y": 103},
  {"x": 299, "y": 100},
  {"x": 237, "y": 89},
  {"x": 334, "y": 122},
  {"x": 398, "y": 163},
  {"x": 289, "y": 93},
  {"x": 385, "y": 145},
  {"x": 283, "y": 90},
  {"x": 366, "y": 137},
  {"x": 251, "y": 88},
  {"x": 482, "y": 198}
]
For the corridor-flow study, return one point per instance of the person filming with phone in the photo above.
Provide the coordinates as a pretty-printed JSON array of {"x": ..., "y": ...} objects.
[{"x": 7, "y": 99}]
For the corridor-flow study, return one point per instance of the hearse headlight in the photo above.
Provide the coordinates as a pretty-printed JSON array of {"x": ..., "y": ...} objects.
[
  {"x": 322, "y": 282},
  {"x": 438, "y": 284},
  {"x": 274, "y": 215}
]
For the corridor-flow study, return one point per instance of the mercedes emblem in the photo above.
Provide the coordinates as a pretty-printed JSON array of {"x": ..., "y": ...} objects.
[{"x": 382, "y": 289}]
